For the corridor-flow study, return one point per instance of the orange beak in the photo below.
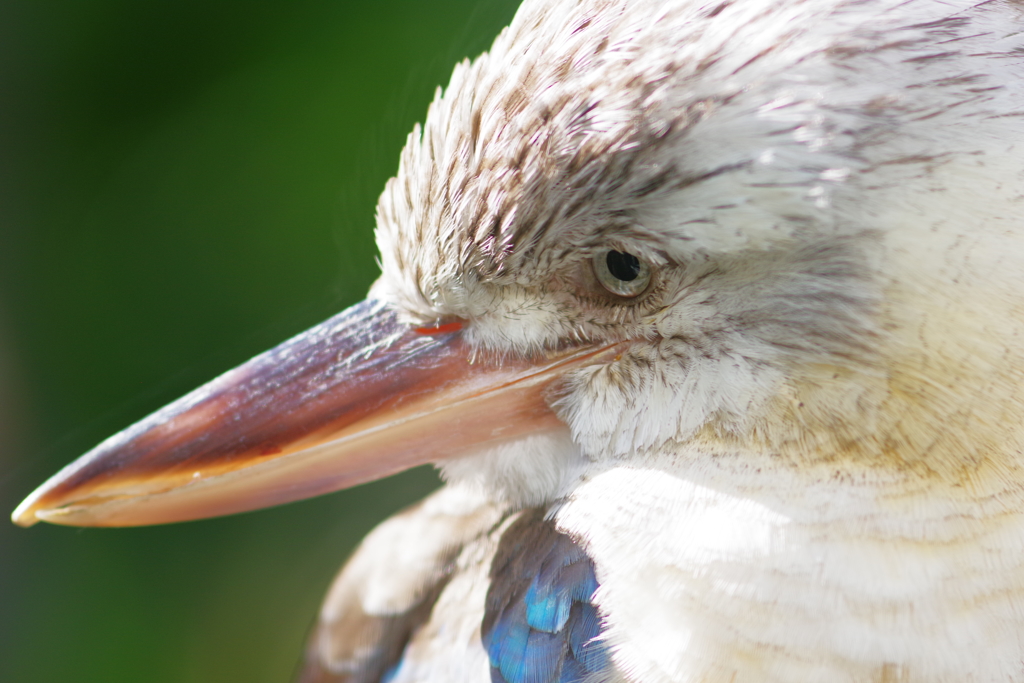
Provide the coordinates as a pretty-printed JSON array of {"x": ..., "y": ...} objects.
[{"x": 356, "y": 398}]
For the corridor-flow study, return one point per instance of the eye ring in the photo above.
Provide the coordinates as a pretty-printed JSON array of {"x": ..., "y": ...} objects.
[{"x": 621, "y": 273}]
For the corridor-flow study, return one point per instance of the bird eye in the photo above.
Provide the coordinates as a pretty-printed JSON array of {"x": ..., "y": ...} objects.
[{"x": 621, "y": 273}]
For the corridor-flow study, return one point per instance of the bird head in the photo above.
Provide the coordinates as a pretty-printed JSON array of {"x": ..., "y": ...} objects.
[{"x": 635, "y": 232}]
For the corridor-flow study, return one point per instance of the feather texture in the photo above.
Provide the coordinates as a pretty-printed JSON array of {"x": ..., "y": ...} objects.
[
  {"x": 388, "y": 589},
  {"x": 541, "y": 625},
  {"x": 807, "y": 464}
]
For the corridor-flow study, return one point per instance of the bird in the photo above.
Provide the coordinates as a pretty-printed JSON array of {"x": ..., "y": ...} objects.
[{"x": 710, "y": 314}]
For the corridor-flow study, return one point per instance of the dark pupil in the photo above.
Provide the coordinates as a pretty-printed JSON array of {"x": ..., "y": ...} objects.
[{"x": 623, "y": 267}]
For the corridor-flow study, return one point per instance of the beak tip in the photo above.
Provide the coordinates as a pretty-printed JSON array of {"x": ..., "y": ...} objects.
[
  {"x": 24, "y": 515},
  {"x": 35, "y": 507},
  {"x": 30, "y": 513}
]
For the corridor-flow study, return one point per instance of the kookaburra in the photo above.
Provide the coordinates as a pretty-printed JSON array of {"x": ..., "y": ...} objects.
[{"x": 711, "y": 314}]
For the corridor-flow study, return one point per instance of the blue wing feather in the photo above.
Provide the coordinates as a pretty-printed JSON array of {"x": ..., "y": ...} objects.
[
  {"x": 541, "y": 625},
  {"x": 546, "y": 609},
  {"x": 584, "y": 641}
]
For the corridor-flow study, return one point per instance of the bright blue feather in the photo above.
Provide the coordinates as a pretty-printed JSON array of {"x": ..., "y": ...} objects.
[
  {"x": 547, "y": 610},
  {"x": 540, "y": 625}
]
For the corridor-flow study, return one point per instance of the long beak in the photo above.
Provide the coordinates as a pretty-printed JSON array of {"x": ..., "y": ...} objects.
[{"x": 356, "y": 398}]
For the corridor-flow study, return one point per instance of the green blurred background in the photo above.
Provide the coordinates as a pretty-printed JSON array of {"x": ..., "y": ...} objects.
[{"x": 182, "y": 185}]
